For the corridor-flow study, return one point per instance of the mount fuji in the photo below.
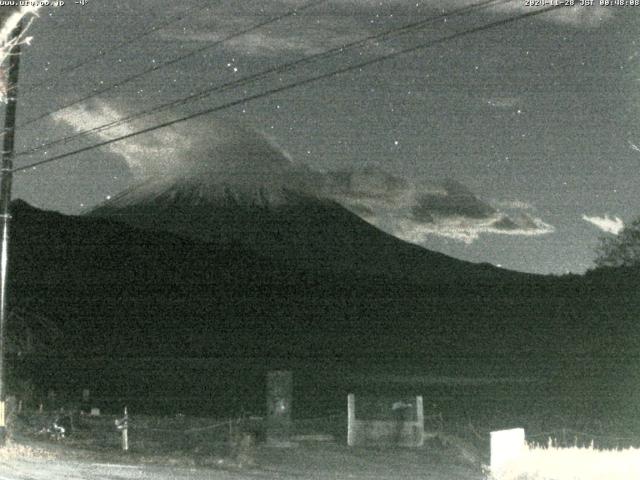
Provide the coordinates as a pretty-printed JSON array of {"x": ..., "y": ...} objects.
[{"x": 244, "y": 190}]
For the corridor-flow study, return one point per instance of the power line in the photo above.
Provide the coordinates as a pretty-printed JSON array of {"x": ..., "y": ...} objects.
[
  {"x": 296, "y": 84},
  {"x": 101, "y": 53},
  {"x": 278, "y": 69},
  {"x": 283, "y": 88},
  {"x": 176, "y": 60}
]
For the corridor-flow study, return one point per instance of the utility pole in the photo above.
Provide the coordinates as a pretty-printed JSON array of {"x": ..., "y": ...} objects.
[{"x": 6, "y": 178}]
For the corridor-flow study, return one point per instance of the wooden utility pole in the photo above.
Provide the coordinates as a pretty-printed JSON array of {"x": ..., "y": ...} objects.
[{"x": 6, "y": 178}]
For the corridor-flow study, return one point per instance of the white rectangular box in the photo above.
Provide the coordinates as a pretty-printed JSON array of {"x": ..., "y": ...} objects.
[{"x": 506, "y": 446}]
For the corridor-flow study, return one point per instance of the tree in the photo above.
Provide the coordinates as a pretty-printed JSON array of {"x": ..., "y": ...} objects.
[
  {"x": 28, "y": 334},
  {"x": 622, "y": 250}
]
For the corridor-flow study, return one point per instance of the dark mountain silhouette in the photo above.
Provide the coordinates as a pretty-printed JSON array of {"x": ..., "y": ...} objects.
[
  {"x": 150, "y": 292},
  {"x": 293, "y": 227},
  {"x": 117, "y": 291}
]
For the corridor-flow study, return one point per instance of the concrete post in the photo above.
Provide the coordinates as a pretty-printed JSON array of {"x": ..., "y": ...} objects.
[
  {"x": 279, "y": 400},
  {"x": 351, "y": 419}
]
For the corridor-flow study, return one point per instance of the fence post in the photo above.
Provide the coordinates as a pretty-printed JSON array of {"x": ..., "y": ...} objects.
[
  {"x": 351, "y": 419},
  {"x": 123, "y": 425},
  {"x": 125, "y": 432},
  {"x": 420, "y": 420},
  {"x": 279, "y": 400}
]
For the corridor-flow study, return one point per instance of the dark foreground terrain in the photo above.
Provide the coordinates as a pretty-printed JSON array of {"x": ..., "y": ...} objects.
[
  {"x": 169, "y": 324},
  {"x": 141, "y": 314},
  {"x": 183, "y": 447}
]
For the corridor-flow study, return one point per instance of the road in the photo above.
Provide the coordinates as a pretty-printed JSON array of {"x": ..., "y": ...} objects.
[
  {"x": 314, "y": 462},
  {"x": 44, "y": 469}
]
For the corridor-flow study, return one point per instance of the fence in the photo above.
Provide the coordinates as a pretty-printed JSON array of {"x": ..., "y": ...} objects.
[{"x": 402, "y": 422}]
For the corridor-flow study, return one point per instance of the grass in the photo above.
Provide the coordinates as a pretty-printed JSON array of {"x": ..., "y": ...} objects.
[
  {"x": 13, "y": 449},
  {"x": 173, "y": 440}
]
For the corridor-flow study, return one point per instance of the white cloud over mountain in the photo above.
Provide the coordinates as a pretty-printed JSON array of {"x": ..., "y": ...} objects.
[
  {"x": 414, "y": 210},
  {"x": 237, "y": 156}
]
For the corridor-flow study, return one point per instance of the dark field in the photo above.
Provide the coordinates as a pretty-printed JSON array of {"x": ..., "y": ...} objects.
[{"x": 461, "y": 391}]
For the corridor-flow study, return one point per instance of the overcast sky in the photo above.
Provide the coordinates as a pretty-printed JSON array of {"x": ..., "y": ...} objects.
[{"x": 516, "y": 145}]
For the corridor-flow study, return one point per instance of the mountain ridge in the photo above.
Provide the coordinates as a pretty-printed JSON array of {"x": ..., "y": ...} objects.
[{"x": 285, "y": 223}]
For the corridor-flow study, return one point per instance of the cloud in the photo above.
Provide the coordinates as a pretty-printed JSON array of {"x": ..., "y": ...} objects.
[
  {"x": 576, "y": 16},
  {"x": 455, "y": 201},
  {"x": 145, "y": 155},
  {"x": 606, "y": 224},
  {"x": 414, "y": 211},
  {"x": 340, "y": 22},
  {"x": 260, "y": 43},
  {"x": 513, "y": 204},
  {"x": 310, "y": 32},
  {"x": 468, "y": 230},
  {"x": 270, "y": 44},
  {"x": 208, "y": 148}
]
